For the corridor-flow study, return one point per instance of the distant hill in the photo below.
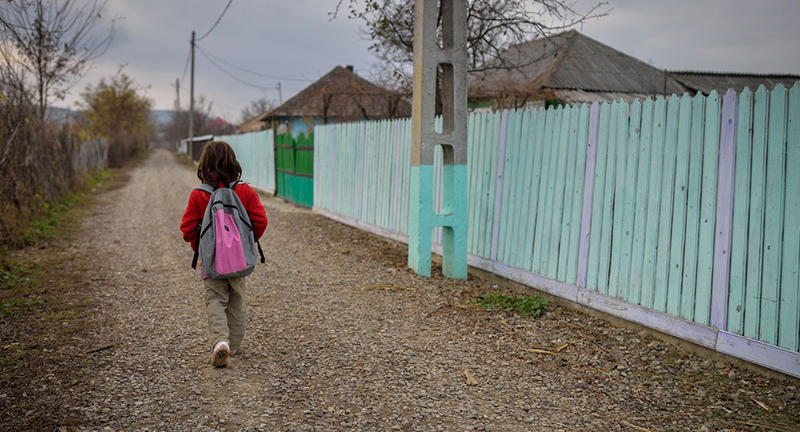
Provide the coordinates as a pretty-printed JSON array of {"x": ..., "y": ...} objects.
[
  {"x": 161, "y": 117},
  {"x": 61, "y": 114}
]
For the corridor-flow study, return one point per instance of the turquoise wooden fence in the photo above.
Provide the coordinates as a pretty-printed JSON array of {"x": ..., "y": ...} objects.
[
  {"x": 667, "y": 211},
  {"x": 765, "y": 250},
  {"x": 254, "y": 151}
]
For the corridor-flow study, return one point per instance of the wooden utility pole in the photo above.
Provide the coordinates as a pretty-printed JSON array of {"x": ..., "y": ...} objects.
[{"x": 191, "y": 105}]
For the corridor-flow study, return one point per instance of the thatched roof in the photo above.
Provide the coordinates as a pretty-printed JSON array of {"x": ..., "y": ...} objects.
[
  {"x": 722, "y": 81},
  {"x": 569, "y": 61},
  {"x": 343, "y": 95}
]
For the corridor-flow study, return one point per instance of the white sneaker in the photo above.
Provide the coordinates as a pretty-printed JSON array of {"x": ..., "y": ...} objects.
[{"x": 219, "y": 356}]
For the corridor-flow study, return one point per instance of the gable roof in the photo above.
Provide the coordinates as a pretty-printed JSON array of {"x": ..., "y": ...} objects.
[
  {"x": 722, "y": 81},
  {"x": 343, "y": 95},
  {"x": 569, "y": 60}
]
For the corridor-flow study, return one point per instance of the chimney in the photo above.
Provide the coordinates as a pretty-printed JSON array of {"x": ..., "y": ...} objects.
[{"x": 349, "y": 67}]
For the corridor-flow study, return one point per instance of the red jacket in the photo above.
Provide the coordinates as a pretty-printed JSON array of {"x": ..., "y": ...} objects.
[{"x": 196, "y": 208}]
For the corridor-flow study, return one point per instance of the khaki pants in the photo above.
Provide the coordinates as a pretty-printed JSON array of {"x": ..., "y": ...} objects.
[{"x": 225, "y": 303}]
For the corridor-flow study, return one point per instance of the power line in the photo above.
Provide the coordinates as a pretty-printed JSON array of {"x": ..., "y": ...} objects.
[
  {"x": 257, "y": 73},
  {"x": 186, "y": 65},
  {"x": 202, "y": 51},
  {"x": 217, "y": 22}
]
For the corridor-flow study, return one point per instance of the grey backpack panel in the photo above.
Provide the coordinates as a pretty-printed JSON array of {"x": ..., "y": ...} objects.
[{"x": 227, "y": 246}]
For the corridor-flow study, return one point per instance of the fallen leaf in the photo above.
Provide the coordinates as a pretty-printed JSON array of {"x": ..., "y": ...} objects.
[{"x": 470, "y": 379}]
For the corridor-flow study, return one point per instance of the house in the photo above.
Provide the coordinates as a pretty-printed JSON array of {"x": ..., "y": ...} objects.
[
  {"x": 567, "y": 67},
  {"x": 338, "y": 96},
  {"x": 572, "y": 68},
  {"x": 218, "y": 126},
  {"x": 705, "y": 82}
]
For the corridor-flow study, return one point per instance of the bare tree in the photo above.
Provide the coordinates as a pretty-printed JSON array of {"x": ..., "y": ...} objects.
[
  {"x": 178, "y": 128},
  {"x": 46, "y": 45},
  {"x": 256, "y": 108},
  {"x": 492, "y": 26}
]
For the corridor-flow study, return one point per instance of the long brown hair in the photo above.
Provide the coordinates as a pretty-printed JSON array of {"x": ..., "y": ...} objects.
[{"x": 218, "y": 163}]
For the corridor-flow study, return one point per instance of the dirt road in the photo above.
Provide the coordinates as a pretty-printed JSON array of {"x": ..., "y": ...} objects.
[{"x": 340, "y": 336}]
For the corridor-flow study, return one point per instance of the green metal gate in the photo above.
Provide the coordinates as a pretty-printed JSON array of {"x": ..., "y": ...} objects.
[{"x": 294, "y": 168}]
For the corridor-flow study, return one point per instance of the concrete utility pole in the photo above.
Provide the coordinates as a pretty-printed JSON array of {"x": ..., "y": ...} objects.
[
  {"x": 449, "y": 59},
  {"x": 177, "y": 95},
  {"x": 280, "y": 96},
  {"x": 191, "y": 105}
]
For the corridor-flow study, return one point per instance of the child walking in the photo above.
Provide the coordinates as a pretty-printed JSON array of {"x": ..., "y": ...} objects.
[{"x": 225, "y": 298}]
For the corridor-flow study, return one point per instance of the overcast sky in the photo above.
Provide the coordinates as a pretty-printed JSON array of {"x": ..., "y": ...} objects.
[{"x": 294, "y": 42}]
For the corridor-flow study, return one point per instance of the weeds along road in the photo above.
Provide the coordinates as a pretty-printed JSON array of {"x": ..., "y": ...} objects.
[{"x": 340, "y": 336}]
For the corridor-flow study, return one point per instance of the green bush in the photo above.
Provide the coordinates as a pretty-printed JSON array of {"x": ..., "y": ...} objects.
[{"x": 531, "y": 306}]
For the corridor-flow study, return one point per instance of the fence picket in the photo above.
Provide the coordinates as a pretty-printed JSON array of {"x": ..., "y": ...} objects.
[
  {"x": 490, "y": 179},
  {"x": 617, "y": 233},
  {"x": 690, "y": 245},
  {"x": 598, "y": 200},
  {"x": 499, "y": 185},
  {"x": 741, "y": 203},
  {"x": 790, "y": 284},
  {"x": 526, "y": 171},
  {"x": 617, "y": 109},
  {"x": 708, "y": 209},
  {"x": 679, "y": 207},
  {"x": 537, "y": 137},
  {"x": 473, "y": 159},
  {"x": 546, "y": 177},
  {"x": 773, "y": 216},
  {"x": 511, "y": 179},
  {"x": 630, "y": 203},
  {"x": 755, "y": 237},
  {"x": 656, "y": 165},
  {"x": 560, "y": 199},
  {"x": 576, "y": 213},
  {"x": 726, "y": 182},
  {"x": 406, "y": 182}
]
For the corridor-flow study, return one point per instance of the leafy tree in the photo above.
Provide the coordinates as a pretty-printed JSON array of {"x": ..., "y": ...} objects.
[
  {"x": 45, "y": 45},
  {"x": 115, "y": 109},
  {"x": 492, "y": 26},
  {"x": 256, "y": 108}
]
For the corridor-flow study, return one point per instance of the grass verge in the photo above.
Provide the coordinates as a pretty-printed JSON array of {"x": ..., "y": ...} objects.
[
  {"x": 46, "y": 308},
  {"x": 45, "y": 226},
  {"x": 531, "y": 306}
]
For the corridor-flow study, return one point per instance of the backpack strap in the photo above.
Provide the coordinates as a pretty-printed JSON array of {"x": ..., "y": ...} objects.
[
  {"x": 196, "y": 254},
  {"x": 205, "y": 187},
  {"x": 261, "y": 252},
  {"x": 209, "y": 189},
  {"x": 233, "y": 185}
]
